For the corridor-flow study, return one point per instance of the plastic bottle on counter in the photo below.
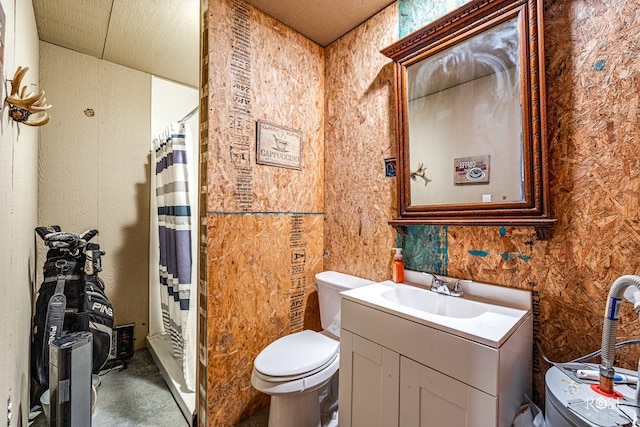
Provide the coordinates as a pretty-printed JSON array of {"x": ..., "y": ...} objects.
[{"x": 398, "y": 266}]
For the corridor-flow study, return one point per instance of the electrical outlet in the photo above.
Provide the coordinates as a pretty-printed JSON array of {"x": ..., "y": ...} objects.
[{"x": 122, "y": 343}]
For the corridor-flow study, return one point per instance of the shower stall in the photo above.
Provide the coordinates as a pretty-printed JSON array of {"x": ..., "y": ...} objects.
[{"x": 172, "y": 338}]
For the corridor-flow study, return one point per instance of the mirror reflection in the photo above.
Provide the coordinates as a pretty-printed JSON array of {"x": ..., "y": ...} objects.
[{"x": 465, "y": 121}]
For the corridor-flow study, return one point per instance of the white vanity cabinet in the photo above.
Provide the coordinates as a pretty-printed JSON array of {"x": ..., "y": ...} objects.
[
  {"x": 373, "y": 383},
  {"x": 430, "y": 398},
  {"x": 396, "y": 370}
]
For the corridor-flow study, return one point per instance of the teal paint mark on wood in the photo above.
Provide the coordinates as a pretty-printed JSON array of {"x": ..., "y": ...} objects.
[
  {"x": 599, "y": 66},
  {"x": 481, "y": 254},
  {"x": 503, "y": 231},
  {"x": 425, "y": 248},
  {"x": 525, "y": 258},
  {"x": 507, "y": 256}
]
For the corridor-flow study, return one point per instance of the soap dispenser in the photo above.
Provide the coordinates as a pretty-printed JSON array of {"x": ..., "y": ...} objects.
[{"x": 398, "y": 266}]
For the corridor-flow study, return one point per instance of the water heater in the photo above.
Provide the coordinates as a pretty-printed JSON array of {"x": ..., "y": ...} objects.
[{"x": 70, "y": 365}]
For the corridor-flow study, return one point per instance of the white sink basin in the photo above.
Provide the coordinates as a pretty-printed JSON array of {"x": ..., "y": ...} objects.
[
  {"x": 478, "y": 317},
  {"x": 431, "y": 302}
]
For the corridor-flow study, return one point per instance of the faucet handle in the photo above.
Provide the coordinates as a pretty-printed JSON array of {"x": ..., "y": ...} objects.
[
  {"x": 435, "y": 282},
  {"x": 457, "y": 288}
]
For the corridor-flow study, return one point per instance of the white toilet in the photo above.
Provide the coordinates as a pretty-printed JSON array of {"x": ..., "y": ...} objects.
[{"x": 299, "y": 370}]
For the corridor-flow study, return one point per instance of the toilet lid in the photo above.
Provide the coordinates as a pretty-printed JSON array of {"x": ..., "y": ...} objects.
[{"x": 296, "y": 354}]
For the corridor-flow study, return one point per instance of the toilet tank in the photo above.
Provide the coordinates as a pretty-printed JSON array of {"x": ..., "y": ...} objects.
[{"x": 330, "y": 284}]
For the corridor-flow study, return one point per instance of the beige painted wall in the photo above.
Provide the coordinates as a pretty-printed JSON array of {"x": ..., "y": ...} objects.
[
  {"x": 94, "y": 170},
  {"x": 437, "y": 138},
  {"x": 18, "y": 199}
]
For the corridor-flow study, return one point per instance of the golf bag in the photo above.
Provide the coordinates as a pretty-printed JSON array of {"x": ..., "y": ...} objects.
[{"x": 71, "y": 298}]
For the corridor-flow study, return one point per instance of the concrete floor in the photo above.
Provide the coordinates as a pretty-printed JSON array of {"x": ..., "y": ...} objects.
[
  {"x": 138, "y": 397},
  {"x": 133, "y": 397}
]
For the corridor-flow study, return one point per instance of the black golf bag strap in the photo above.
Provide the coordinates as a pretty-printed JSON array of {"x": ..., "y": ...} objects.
[{"x": 54, "y": 323}]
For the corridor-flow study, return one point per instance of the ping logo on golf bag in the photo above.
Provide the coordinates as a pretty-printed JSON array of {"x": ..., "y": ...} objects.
[
  {"x": 52, "y": 334},
  {"x": 102, "y": 308}
]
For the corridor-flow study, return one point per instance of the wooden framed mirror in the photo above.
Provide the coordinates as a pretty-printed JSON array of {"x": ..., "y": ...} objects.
[{"x": 470, "y": 114}]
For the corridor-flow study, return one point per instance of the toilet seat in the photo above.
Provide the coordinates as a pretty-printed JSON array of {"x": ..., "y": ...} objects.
[
  {"x": 288, "y": 378},
  {"x": 274, "y": 386},
  {"x": 301, "y": 361},
  {"x": 296, "y": 355}
]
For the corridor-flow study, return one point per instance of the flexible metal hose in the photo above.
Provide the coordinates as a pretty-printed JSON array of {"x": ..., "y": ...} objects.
[
  {"x": 638, "y": 395},
  {"x": 584, "y": 358},
  {"x": 609, "y": 329}
]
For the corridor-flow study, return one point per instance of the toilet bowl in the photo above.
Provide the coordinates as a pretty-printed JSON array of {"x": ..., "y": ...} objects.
[{"x": 299, "y": 370}]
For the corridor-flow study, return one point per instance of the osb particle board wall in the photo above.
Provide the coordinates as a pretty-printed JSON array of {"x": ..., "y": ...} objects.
[
  {"x": 593, "y": 94},
  {"x": 359, "y": 135},
  {"x": 264, "y": 223}
]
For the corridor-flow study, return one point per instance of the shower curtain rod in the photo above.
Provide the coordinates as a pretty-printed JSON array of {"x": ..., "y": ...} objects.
[{"x": 189, "y": 115}]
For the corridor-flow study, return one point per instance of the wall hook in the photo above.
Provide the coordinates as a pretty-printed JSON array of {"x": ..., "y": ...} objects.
[
  {"x": 420, "y": 173},
  {"x": 22, "y": 104}
]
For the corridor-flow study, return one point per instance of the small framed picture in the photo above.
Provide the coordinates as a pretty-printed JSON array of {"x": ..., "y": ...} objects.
[
  {"x": 390, "y": 167},
  {"x": 471, "y": 170},
  {"x": 278, "y": 146}
]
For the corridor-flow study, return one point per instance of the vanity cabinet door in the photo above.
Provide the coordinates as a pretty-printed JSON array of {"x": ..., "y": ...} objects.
[
  {"x": 429, "y": 398},
  {"x": 369, "y": 382}
]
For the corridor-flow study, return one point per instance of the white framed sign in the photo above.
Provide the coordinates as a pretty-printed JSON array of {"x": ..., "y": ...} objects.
[{"x": 278, "y": 146}]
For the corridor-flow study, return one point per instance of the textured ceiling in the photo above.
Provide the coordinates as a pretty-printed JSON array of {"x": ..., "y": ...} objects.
[
  {"x": 162, "y": 37},
  {"x": 323, "y": 21}
]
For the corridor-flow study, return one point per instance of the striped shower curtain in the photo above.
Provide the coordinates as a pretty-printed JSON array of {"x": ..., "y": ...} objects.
[{"x": 174, "y": 232}]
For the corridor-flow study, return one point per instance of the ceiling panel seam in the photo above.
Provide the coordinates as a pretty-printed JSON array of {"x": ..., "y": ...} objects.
[{"x": 106, "y": 34}]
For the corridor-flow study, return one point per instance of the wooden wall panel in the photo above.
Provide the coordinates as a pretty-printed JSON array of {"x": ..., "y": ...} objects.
[
  {"x": 251, "y": 292},
  {"x": 594, "y": 128},
  {"x": 203, "y": 138},
  {"x": 359, "y": 135},
  {"x": 281, "y": 82},
  {"x": 264, "y": 223}
]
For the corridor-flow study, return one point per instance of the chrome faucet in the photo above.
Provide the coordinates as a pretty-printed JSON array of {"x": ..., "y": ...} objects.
[{"x": 441, "y": 287}]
